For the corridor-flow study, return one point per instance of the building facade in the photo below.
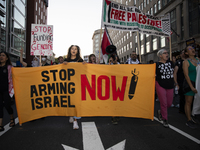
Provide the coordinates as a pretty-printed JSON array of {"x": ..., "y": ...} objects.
[
  {"x": 16, "y": 17},
  {"x": 13, "y": 27},
  {"x": 36, "y": 14},
  {"x": 185, "y": 24},
  {"x": 97, "y": 42}
]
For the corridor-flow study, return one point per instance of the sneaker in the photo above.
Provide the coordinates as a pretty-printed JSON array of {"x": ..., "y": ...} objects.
[
  {"x": 114, "y": 121},
  {"x": 191, "y": 124},
  {"x": 71, "y": 119},
  {"x": 177, "y": 106},
  {"x": 165, "y": 124},
  {"x": 159, "y": 116},
  {"x": 75, "y": 125}
]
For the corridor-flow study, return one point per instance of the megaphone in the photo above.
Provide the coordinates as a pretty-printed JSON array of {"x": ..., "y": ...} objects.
[{"x": 111, "y": 49}]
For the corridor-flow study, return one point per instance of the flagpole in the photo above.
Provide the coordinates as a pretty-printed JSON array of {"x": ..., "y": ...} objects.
[
  {"x": 100, "y": 44},
  {"x": 139, "y": 45}
]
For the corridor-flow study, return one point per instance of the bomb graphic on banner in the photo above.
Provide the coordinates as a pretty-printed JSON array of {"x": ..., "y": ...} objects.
[{"x": 133, "y": 84}]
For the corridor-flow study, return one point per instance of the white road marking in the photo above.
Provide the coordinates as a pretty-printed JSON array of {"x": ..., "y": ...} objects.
[
  {"x": 6, "y": 127},
  {"x": 181, "y": 132},
  {"x": 119, "y": 146},
  {"x": 91, "y": 138},
  {"x": 68, "y": 147}
]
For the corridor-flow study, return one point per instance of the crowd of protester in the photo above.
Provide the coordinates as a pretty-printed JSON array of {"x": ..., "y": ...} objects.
[{"x": 176, "y": 77}]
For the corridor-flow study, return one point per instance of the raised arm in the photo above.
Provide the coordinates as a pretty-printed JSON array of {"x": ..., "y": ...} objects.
[{"x": 21, "y": 58}]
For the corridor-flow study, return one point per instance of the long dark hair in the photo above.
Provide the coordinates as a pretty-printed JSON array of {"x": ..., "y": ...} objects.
[
  {"x": 8, "y": 62},
  {"x": 90, "y": 61},
  {"x": 69, "y": 53},
  {"x": 186, "y": 55}
]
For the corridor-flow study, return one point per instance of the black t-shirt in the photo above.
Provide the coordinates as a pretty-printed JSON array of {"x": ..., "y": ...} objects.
[
  {"x": 164, "y": 74},
  {"x": 74, "y": 60},
  {"x": 180, "y": 74},
  {"x": 3, "y": 78}
]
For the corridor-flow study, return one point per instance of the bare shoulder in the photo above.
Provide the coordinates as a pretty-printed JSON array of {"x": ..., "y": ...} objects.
[{"x": 185, "y": 62}]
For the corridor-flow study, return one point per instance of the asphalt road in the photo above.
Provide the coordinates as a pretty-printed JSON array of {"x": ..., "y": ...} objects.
[{"x": 96, "y": 133}]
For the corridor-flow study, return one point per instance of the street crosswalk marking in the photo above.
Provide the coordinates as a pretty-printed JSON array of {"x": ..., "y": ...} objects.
[
  {"x": 6, "y": 127},
  {"x": 182, "y": 133}
]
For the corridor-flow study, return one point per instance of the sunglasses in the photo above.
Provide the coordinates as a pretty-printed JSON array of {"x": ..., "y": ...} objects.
[{"x": 190, "y": 48}]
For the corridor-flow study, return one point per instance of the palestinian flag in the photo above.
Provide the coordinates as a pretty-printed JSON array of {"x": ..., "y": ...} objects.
[{"x": 106, "y": 41}]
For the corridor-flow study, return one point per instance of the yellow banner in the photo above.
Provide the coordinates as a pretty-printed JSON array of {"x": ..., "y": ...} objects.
[{"x": 78, "y": 89}]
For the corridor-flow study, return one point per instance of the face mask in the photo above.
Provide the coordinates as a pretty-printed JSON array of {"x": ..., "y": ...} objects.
[
  {"x": 35, "y": 63},
  {"x": 43, "y": 59}
]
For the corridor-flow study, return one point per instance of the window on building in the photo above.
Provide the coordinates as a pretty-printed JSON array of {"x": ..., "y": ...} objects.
[
  {"x": 127, "y": 36},
  {"x": 142, "y": 49},
  {"x": 147, "y": 35},
  {"x": 147, "y": 2},
  {"x": 41, "y": 4},
  {"x": 136, "y": 49},
  {"x": 39, "y": 11},
  {"x": 155, "y": 8},
  {"x": 141, "y": 6},
  {"x": 126, "y": 2},
  {"x": 182, "y": 23},
  {"x": 162, "y": 41},
  {"x": 127, "y": 47},
  {"x": 36, "y": 6},
  {"x": 155, "y": 44},
  {"x": 130, "y": 33},
  {"x": 163, "y": 3},
  {"x": 194, "y": 18},
  {"x": 148, "y": 47},
  {"x": 134, "y": 2},
  {"x": 151, "y": 10},
  {"x": 173, "y": 25},
  {"x": 159, "y": 6},
  {"x": 131, "y": 45},
  {"x": 141, "y": 36},
  {"x": 39, "y": 1},
  {"x": 124, "y": 48},
  {"x": 148, "y": 12},
  {"x": 35, "y": 19},
  {"x": 38, "y": 21},
  {"x": 168, "y": 1},
  {"x": 41, "y": 15},
  {"x": 136, "y": 39},
  {"x": 124, "y": 38},
  {"x": 144, "y": 3}
]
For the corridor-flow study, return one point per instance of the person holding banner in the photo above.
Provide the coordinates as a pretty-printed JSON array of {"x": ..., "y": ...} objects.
[
  {"x": 44, "y": 61},
  {"x": 6, "y": 88},
  {"x": 189, "y": 70},
  {"x": 133, "y": 59},
  {"x": 73, "y": 55},
  {"x": 92, "y": 59},
  {"x": 164, "y": 85}
]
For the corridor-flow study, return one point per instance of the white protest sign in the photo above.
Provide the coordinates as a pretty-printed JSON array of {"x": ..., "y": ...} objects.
[{"x": 41, "y": 40}]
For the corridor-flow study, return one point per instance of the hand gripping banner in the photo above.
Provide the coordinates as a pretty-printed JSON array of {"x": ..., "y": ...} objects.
[{"x": 78, "y": 89}]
